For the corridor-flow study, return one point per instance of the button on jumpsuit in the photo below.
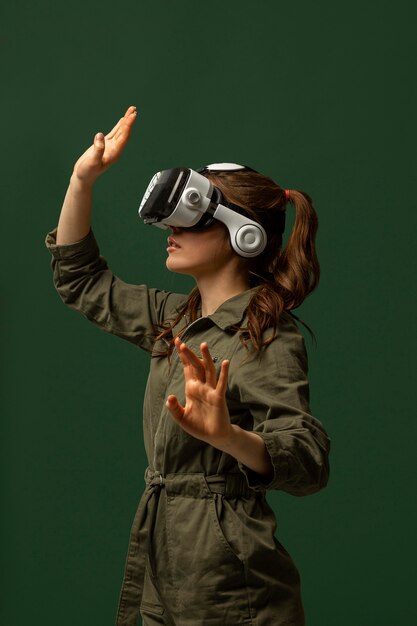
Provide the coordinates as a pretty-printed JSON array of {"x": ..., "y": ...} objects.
[{"x": 202, "y": 549}]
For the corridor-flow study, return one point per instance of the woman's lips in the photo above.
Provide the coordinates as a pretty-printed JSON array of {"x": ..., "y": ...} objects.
[{"x": 172, "y": 245}]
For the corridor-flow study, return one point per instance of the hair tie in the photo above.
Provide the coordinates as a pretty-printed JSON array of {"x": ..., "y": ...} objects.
[{"x": 287, "y": 194}]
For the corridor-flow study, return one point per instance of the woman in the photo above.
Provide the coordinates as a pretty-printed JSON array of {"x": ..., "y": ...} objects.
[{"x": 226, "y": 408}]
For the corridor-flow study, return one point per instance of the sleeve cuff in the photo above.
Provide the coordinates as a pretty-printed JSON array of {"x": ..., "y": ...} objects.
[
  {"x": 256, "y": 481},
  {"x": 86, "y": 247}
]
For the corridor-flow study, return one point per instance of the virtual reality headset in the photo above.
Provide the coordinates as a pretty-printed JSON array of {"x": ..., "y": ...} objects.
[{"x": 185, "y": 198}]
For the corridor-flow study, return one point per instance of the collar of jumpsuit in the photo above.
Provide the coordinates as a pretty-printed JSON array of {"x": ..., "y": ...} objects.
[{"x": 227, "y": 314}]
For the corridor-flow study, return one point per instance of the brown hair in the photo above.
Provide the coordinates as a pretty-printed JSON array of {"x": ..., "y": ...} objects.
[{"x": 285, "y": 276}]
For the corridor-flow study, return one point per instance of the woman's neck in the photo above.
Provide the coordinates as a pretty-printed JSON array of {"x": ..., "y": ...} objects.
[{"x": 214, "y": 290}]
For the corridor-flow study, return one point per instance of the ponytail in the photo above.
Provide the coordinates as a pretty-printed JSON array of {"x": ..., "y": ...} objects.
[
  {"x": 286, "y": 277},
  {"x": 297, "y": 268}
]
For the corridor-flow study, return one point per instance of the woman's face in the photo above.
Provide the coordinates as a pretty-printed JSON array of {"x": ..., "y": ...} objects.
[{"x": 200, "y": 253}]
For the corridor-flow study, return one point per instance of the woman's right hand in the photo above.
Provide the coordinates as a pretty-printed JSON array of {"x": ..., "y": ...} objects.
[{"x": 105, "y": 150}]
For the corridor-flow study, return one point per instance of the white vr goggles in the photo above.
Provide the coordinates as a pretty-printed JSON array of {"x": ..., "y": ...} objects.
[{"x": 185, "y": 198}]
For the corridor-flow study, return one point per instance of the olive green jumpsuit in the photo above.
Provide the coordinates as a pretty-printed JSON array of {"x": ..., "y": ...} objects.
[{"x": 202, "y": 549}]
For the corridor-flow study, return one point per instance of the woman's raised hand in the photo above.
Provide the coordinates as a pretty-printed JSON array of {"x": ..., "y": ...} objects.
[
  {"x": 205, "y": 414},
  {"x": 105, "y": 150}
]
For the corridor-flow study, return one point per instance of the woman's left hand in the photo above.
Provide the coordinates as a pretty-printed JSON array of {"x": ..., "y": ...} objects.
[{"x": 205, "y": 414}]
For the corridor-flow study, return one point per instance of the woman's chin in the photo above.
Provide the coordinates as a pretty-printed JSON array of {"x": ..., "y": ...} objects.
[{"x": 174, "y": 266}]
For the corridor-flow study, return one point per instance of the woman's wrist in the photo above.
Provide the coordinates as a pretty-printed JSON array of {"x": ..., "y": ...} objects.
[
  {"x": 81, "y": 184},
  {"x": 249, "y": 448}
]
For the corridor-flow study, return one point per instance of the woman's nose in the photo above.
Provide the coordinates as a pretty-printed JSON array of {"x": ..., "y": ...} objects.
[{"x": 175, "y": 229}]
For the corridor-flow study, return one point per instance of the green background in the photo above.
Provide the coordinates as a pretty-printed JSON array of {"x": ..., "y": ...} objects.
[{"x": 320, "y": 97}]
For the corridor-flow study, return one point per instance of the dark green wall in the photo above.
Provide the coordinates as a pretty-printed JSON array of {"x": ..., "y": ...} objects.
[{"x": 317, "y": 95}]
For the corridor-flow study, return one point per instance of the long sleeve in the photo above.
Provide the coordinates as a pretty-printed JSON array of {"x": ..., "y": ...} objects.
[
  {"x": 85, "y": 283},
  {"x": 274, "y": 388}
]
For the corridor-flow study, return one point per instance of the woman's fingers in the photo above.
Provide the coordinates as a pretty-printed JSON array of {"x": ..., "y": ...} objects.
[
  {"x": 209, "y": 365},
  {"x": 224, "y": 372},
  {"x": 175, "y": 407},
  {"x": 99, "y": 146},
  {"x": 202, "y": 369},
  {"x": 125, "y": 121},
  {"x": 190, "y": 361},
  {"x": 130, "y": 110},
  {"x": 192, "y": 364},
  {"x": 123, "y": 132},
  {"x": 118, "y": 138},
  {"x": 114, "y": 130},
  {"x": 187, "y": 370}
]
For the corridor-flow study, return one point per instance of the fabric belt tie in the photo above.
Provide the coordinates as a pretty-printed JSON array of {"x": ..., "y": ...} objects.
[{"x": 140, "y": 541}]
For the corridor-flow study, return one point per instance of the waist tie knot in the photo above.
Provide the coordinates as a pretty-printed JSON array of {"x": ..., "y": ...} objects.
[{"x": 154, "y": 479}]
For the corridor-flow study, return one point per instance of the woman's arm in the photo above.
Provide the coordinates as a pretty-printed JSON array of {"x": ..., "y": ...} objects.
[
  {"x": 273, "y": 388},
  {"x": 81, "y": 275},
  {"x": 75, "y": 219}
]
